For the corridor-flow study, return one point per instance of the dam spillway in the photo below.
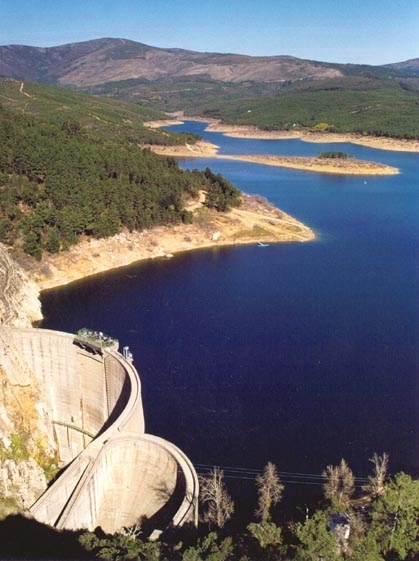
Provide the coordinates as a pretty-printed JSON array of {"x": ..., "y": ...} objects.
[{"x": 115, "y": 475}]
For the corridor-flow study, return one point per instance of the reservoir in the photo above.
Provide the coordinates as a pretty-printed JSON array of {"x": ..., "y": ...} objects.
[{"x": 300, "y": 354}]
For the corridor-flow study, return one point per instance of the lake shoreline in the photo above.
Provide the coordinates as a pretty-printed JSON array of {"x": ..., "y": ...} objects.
[
  {"x": 210, "y": 229},
  {"x": 342, "y": 166},
  {"x": 380, "y": 143},
  {"x": 255, "y": 220},
  {"x": 252, "y": 132}
]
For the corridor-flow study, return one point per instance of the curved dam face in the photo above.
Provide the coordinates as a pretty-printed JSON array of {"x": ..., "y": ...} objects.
[{"x": 90, "y": 401}]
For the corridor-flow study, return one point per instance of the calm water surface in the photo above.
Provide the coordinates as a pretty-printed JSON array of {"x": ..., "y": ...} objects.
[{"x": 300, "y": 354}]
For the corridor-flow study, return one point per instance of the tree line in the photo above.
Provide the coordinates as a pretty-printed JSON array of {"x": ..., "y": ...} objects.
[
  {"x": 334, "y": 154},
  {"x": 385, "y": 110},
  {"x": 59, "y": 182},
  {"x": 378, "y": 521}
]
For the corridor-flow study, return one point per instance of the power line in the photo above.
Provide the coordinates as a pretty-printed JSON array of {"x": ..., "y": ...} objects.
[{"x": 285, "y": 476}]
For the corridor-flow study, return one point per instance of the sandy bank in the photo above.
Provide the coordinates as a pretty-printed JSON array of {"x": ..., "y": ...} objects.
[
  {"x": 350, "y": 166},
  {"x": 254, "y": 220},
  {"x": 242, "y": 131},
  {"x": 347, "y": 166},
  {"x": 321, "y": 165},
  {"x": 382, "y": 143},
  {"x": 201, "y": 149}
]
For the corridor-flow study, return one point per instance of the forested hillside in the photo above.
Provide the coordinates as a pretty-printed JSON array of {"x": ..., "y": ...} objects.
[
  {"x": 277, "y": 92},
  {"x": 348, "y": 105},
  {"x": 104, "y": 116},
  {"x": 60, "y": 180}
]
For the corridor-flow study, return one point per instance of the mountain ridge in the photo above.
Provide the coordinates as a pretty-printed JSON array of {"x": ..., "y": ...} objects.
[
  {"x": 272, "y": 93},
  {"x": 105, "y": 60}
]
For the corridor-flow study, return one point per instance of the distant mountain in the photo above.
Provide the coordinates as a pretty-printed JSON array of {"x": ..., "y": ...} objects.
[
  {"x": 103, "y": 61},
  {"x": 112, "y": 60},
  {"x": 409, "y": 66},
  {"x": 236, "y": 88}
]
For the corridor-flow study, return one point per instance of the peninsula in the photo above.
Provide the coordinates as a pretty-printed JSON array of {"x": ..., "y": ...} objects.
[
  {"x": 83, "y": 206},
  {"x": 348, "y": 166},
  {"x": 255, "y": 220},
  {"x": 340, "y": 166},
  {"x": 378, "y": 142}
]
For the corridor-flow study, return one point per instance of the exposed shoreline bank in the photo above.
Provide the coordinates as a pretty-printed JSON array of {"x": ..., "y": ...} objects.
[
  {"x": 347, "y": 166},
  {"x": 245, "y": 131},
  {"x": 380, "y": 143},
  {"x": 255, "y": 220},
  {"x": 338, "y": 166}
]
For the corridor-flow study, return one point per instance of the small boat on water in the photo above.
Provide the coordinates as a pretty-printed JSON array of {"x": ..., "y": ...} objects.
[{"x": 261, "y": 244}]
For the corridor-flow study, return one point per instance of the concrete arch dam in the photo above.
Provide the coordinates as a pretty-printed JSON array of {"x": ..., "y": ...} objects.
[{"x": 115, "y": 474}]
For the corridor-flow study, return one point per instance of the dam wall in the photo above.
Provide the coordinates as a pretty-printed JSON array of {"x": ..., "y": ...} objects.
[
  {"x": 90, "y": 400},
  {"x": 81, "y": 391},
  {"x": 154, "y": 483}
]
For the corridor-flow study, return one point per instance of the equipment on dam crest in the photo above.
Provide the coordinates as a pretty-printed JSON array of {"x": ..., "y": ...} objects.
[
  {"x": 97, "y": 339},
  {"x": 127, "y": 354},
  {"x": 91, "y": 406}
]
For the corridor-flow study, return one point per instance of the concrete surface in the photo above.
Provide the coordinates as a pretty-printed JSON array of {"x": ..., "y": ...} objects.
[{"x": 115, "y": 475}]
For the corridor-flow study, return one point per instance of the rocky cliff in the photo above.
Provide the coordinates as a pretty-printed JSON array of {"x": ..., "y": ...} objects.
[
  {"x": 22, "y": 477},
  {"x": 19, "y": 297},
  {"x": 27, "y": 454}
]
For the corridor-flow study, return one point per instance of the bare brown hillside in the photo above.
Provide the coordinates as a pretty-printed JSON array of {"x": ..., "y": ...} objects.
[{"x": 108, "y": 60}]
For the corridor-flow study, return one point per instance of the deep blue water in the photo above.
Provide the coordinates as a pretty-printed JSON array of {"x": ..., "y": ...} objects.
[{"x": 299, "y": 354}]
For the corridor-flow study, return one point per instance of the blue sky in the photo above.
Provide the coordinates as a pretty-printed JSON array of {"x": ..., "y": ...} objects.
[{"x": 346, "y": 31}]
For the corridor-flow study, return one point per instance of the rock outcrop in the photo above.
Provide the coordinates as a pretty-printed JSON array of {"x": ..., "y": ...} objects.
[
  {"x": 19, "y": 296},
  {"x": 22, "y": 479},
  {"x": 26, "y": 451},
  {"x": 21, "y": 483}
]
